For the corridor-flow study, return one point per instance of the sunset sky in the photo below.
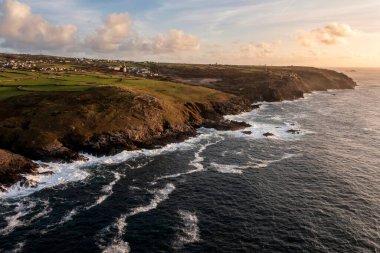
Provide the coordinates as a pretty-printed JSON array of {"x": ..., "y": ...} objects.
[{"x": 324, "y": 33}]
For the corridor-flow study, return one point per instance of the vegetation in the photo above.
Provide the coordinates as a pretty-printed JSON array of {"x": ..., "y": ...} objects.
[{"x": 14, "y": 83}]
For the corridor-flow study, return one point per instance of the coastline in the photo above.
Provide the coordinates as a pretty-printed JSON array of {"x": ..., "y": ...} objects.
[{"x": 208, "y": 115}]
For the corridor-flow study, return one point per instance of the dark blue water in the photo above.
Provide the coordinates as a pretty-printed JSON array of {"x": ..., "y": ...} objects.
[{"x": 317, "y": 191}]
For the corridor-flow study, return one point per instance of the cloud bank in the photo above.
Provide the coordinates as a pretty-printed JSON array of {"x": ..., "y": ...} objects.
[
  {"x": 331, "y": 34},
  {"x": 259, "y": 50},
  {"x": 20, "y": 29}
]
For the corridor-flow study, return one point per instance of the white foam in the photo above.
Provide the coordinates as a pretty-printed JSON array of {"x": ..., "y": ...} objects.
[
  {"x": 70, "y": 172},
  {"x": 47, "y": 210},
  {"x": 13, "y": 221},
  {"x": 230, "y": 169},
  {"x": 117, "y": 244},
  {"x": 253, "y": 164},
  {"x": 134, "y": 188},
  {"x": 278, "y": 128},
  {"x": 62, "y": 173},
  {"x": 19, "y": 247},
  {"x": 107, "y": 190},
  {"x": 189, "y": 231},
  {"x": 196, "y": 162},
  {"x": 265, "y": 163},
  {"x": 69, "y": 216},
  {"x": 159, "y": 196}
]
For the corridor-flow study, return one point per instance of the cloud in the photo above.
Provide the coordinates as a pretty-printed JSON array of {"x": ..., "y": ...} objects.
[
  {"x": 20, "y": 29},
  {"x": 112, "y": 34},
  {"x": 175, "y": 41},
  {"x": 331, "y": 34},
  {"x": 116, "y": 35},
  {"x": 259, "y": 50}
]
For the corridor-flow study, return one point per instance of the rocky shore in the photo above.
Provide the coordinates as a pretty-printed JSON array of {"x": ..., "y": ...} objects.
[
  {"x": 13, "y": 167},
  {"x": 58, "y": 126}
]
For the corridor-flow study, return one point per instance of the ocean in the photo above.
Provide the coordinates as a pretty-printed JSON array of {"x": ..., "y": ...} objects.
[{"x": 314, "y": 190}]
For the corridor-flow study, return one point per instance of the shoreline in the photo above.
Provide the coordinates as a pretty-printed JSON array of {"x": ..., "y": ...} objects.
[
  {"x": 67, "y": 144},
  {"x": 16, "y": 190}
]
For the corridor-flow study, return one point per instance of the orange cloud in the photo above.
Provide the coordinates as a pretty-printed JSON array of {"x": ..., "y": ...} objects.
[
  {"x": 331, "y": 34},
  {"x": 175, "y": 41}
]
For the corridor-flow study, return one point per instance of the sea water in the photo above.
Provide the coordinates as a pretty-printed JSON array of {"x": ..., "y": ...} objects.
[{"x": 221, "y": 191}]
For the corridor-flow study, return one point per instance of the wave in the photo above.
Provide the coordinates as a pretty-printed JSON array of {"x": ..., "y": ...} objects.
[
  {"x": 196, "y": 162},
  {"x": 13, "y": 221},
  {"x": 42, "y": 214},
  {"x": 117, "y": 243},
  {"x": 19, "y": 247},
  {"x": 258, "y": 129},
  {"x": 230, "y": 169},
  {"x": 107, "y": 190},
  {"x": 253, "y": 164},
  {"x": 159, "y": 196},
  {"x": 64, "y": 173},
  {"x": 189, "y": 232}
]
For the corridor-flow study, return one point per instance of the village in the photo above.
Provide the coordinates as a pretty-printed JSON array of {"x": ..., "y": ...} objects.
[{"x": 63, "y": 64}]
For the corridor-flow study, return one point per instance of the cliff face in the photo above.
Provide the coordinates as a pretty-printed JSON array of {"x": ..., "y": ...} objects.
[
  {"x": 260, "y": 83},
  {"x": 102, "y": 121}
]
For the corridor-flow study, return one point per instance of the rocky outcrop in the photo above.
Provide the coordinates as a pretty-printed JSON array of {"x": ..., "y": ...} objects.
[
  {"x": 257, "y": 83},
  {"x": 104, "y": 121},
  {"x": 13, "y": 167}
]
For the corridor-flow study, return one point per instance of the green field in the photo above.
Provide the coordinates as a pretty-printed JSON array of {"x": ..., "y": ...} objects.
[{"x": 15, "y": 83}]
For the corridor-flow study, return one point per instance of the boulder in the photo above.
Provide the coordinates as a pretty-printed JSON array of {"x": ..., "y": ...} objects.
[{"x": 13, "y": 167}]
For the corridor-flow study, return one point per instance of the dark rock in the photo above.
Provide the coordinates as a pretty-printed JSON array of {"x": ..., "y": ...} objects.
[
  {"x": 294, "y": 131},
  {"x": 268, "y": 134},
  {"x": 247, "y": 132},
  {"x": 225, "y": 125},
  {"x": 46, "y": 173},
  {"x": 28, "y": 183},
  {"x": 13, "y": 166}
]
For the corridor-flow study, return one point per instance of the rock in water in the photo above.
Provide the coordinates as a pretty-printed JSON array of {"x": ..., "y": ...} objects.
[
  {"x": 12, "y": 166},
  {"x": 294, "y": 131}
]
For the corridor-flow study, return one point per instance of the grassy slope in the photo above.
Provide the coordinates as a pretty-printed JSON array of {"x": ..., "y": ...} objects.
[
  {"x": 79, "y": 107},
  {"x": 13, "y": 83}
]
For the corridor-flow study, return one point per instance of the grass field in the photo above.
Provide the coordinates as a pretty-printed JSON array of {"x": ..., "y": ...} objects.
[{"x": 15, "y": 83}]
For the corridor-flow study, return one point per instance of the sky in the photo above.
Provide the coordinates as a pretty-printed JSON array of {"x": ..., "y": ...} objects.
[{"x": 321, "y": 33}]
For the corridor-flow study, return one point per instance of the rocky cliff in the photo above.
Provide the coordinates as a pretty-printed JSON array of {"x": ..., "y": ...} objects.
[
  {"x": 259, "y": 83},
  {"x": 102, "y": 121},
  {"x": 58, "y": 126}
]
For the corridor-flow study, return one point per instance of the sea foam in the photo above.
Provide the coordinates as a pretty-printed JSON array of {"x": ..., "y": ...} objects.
[{"x": 189, "y": 231}]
